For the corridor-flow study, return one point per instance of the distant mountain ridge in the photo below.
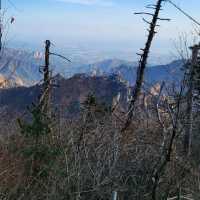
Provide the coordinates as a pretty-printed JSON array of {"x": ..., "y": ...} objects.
[
  {"x": 24, "y": 66},
  {"x": 21, "y": 64},
  {"x": 171, "y": 72}
]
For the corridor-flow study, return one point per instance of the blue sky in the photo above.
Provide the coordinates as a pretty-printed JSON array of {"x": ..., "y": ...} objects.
[{"x": 102, "y": 24}]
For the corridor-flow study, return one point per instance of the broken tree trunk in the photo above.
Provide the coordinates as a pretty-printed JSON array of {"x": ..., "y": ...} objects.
[{"x": 45, "y": 97}]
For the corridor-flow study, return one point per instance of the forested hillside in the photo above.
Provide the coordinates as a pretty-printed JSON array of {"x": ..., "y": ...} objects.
[{"x": 109, "y": 130}]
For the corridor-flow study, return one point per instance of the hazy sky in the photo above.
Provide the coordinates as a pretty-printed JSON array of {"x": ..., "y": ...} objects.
[{"x": 104, "y": 24}]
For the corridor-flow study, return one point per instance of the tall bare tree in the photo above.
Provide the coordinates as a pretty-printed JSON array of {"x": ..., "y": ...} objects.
[{"x": 144, "y": 56}]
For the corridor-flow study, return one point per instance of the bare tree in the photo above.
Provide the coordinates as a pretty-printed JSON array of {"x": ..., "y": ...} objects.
[{"x": 144, "y": 56}]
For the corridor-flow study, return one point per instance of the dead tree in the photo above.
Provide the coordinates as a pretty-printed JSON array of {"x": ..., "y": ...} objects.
[
  {"x": 47, "y": 79},
  {"x": 190, "y": 96},
  {"x": 143, "y": 57},
  {"x": 45, "y": 97},
  {"x": 47, "y": 74}
]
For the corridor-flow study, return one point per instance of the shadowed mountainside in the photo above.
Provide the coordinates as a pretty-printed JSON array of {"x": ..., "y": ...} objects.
[{"x": 69, "y": 95}]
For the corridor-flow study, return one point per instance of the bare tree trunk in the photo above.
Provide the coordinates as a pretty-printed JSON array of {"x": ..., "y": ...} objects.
[
  {"x": 143, "y": 60},
  {"x": 189, "y": 118},
  {"x": 45, "y": 98}
]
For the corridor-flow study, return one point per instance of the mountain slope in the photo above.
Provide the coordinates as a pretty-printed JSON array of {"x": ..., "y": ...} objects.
[
  {"x": 69, "y": 96},
  {"x": 21, "y": 64},
  {"x": 169, "y": 73},
  {"x": 10, "y": 82}
]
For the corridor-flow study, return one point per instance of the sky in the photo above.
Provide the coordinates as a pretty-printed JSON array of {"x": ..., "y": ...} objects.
[{"x": 96, "y": 28}]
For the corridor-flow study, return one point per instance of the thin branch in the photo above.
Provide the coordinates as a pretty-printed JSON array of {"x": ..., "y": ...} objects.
[
  {"x": 144, "y": 13},
  {"x": 63, "y": 57}
]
